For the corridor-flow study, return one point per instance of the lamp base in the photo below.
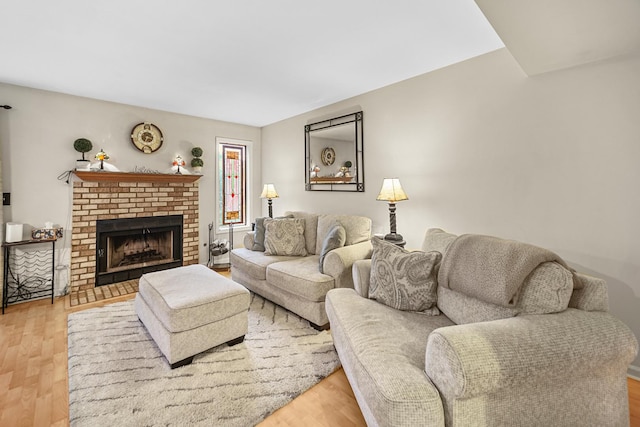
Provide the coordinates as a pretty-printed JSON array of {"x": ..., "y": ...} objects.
[
  {"x": 396, "y": 239},
  {"x": 393, "y": 237}
]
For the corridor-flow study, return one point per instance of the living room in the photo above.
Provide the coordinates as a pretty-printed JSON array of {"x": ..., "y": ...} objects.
[{"x": 480, "y": 146}]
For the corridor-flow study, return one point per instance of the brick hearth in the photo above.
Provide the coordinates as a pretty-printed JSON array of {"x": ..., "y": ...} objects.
[{"x": 97, "y": 200}]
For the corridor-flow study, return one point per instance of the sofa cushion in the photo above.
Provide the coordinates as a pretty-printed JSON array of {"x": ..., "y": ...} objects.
[
  {"x": 404, "y": 280},
  {"x": 284, "y": 237},
  {"x": 357, "y": 228},
  {"x": 335, "y": 239},
  {"x": 436, "y": 239},
  {"x": 310, "y": 229},
  {"x": 258, "y": 237},
  {"x": 254, "y": 263},
  {"x": 300, "y": 276}
]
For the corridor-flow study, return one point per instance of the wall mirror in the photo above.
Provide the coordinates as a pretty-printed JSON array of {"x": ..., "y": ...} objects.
[{"x": 334, "y": 157}]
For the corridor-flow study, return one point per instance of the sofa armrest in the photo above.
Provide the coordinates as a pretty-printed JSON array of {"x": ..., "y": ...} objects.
[
  {"x": 479, "y": 358},
  {"x": 361, "y": 277},
  {"x": 338, "y": 262},
  {"x": 247, "y": 241}
]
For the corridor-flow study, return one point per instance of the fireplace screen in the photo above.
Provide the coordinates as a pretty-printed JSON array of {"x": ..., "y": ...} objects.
[{"x": 128, "y": 248}]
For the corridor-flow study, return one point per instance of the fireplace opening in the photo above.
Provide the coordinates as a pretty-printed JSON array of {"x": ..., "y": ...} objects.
[{"x": 129, "y": 247}]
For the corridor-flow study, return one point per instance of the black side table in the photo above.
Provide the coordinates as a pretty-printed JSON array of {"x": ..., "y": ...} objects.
[{"x": 18, "y": 287}]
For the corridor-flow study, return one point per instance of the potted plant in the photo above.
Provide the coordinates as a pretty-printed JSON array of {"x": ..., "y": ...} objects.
[
  {"x": 82, "y": 145},
  {"x": 196, "y": 162},
  {"x": 346, "y": 172}
]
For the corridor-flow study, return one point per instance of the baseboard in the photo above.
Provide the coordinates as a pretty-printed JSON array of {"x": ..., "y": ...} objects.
[{"x": 634, "y": 372}]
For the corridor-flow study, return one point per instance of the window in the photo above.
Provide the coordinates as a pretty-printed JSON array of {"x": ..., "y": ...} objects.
[{"x": 232, "y": 183}]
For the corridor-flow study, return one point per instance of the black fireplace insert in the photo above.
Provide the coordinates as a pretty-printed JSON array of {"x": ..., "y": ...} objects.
[{"x": 129, "y": 247}]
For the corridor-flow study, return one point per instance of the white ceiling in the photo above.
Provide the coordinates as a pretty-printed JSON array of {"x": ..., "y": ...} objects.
[{"x": 244, "y": 61}]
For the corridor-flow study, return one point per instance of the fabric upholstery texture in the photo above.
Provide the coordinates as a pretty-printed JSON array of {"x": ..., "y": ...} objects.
[
  {"x": 190, "y": 309},
  {"x": 547, "y": 290},
  {"x": 404, "y": 280},
  {"x": 258, "y": 238},
  {"x": 336, "y": 238},
  {"x": 254, "y": 263},
  {"x": 536, "y": 355},
  {"x": 284, "y": 237},
  {"x": 301, "y": 277},
  {"x": 310, "y": 228},
  {"x": 358, "y": 228},
  {"x": 382, "y": 352},
  {"x": 361, "y": 273},
  {"x": 592, "y": 297},
  {"x": 177, "y": 346},
  {"x": 188, "y": 297},
  {"x": 436, "y": 239},
  {"x": 489, "y": 268}
]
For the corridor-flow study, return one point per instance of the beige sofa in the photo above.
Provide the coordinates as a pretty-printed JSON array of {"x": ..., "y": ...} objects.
[
  {"x": 551, "y": 356},
  {"x": 295, "y": 282}
]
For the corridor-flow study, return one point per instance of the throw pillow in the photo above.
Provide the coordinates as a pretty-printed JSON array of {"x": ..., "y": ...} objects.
[
  {"x": 335, "y": 239},
  {"x": 404, "y": 280},
  {"x": 258, "y": 237},
  {"x": 284, "y": 237}
]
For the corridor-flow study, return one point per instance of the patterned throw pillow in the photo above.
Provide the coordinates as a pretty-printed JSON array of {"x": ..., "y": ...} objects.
[
  {"x": 404, "y": 280},
  {"x": 284, "y": 237},
  {"x": 335, "y": 239}
]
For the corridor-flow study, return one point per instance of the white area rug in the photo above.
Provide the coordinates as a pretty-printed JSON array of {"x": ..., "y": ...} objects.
[{"x": 118, "y": 377}]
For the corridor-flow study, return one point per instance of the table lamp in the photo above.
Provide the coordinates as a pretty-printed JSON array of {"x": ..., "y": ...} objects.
[{"x": 392, "y": 192}]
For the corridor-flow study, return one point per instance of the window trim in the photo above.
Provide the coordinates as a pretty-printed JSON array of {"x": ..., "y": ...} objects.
[{"x": 219, "y": 197}]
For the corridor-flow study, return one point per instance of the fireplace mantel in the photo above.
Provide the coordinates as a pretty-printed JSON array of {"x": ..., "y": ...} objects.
[{"x": 106, "y": 176}]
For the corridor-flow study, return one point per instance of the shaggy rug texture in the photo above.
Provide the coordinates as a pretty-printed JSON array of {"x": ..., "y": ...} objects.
[{"x": 118, "y": 377}]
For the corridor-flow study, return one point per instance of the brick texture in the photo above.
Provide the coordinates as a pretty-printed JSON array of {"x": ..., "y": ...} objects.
[{"x": 94, "y": 201}]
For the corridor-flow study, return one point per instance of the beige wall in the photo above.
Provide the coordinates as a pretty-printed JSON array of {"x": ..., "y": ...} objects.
[
  {"x": 37, "y": 145},
  {"x": 552, "y": 160}
]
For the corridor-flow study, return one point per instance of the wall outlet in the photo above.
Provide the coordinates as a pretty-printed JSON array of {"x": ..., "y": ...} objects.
[{"x": 6, "y": 199}]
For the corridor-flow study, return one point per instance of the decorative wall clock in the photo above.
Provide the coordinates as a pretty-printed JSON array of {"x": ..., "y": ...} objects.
[
  {"x": 146, "y": 137},
  {"x": 328, "y": 156}
]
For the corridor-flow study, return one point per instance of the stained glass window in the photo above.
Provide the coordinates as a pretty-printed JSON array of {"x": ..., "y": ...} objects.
[{"x": 233, "y": 186}]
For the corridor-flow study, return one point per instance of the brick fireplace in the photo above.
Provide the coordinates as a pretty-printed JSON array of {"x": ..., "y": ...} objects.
[{"x": 117, "y": 195}]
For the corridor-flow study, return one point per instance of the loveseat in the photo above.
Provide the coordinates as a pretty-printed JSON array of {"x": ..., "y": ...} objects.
[
  {"x": 295, "y": 260},
  {"x": 465, "y": 347}
]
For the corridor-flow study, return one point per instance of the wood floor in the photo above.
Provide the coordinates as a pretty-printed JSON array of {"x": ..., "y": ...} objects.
[{"x": 34, "y": 387}]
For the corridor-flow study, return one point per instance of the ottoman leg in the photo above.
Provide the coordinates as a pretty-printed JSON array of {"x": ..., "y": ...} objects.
[
  {"x": 236, "y": 341},
  {"x": 182, "y": 362}
]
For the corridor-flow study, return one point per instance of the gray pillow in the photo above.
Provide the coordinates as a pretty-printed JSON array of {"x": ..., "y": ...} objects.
[
  {"x": 404, "y": 280},
  {"x": 335, "y": 239},
  {"x": 284, "y": 237},
  {"x": 258, "y": 237}
]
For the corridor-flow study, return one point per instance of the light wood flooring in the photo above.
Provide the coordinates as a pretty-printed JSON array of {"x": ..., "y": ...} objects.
[{"x": 34, "y": 387}]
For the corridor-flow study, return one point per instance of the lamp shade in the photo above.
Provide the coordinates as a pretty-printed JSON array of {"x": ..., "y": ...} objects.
[
  {"x": 392, "y": 191},
  {"x": 269, "y": 192}
]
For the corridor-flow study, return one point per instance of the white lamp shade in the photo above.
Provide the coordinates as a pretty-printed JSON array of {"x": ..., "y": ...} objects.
[
  {"x": 269, "y": 192},
  {"x": 392, "y": 191}
]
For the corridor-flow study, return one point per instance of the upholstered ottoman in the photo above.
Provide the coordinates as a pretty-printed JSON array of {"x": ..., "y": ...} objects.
[{"x": 188, "y": 310}]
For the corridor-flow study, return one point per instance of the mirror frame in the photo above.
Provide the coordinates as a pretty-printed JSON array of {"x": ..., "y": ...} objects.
[{"x": 356, "y": 184}]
